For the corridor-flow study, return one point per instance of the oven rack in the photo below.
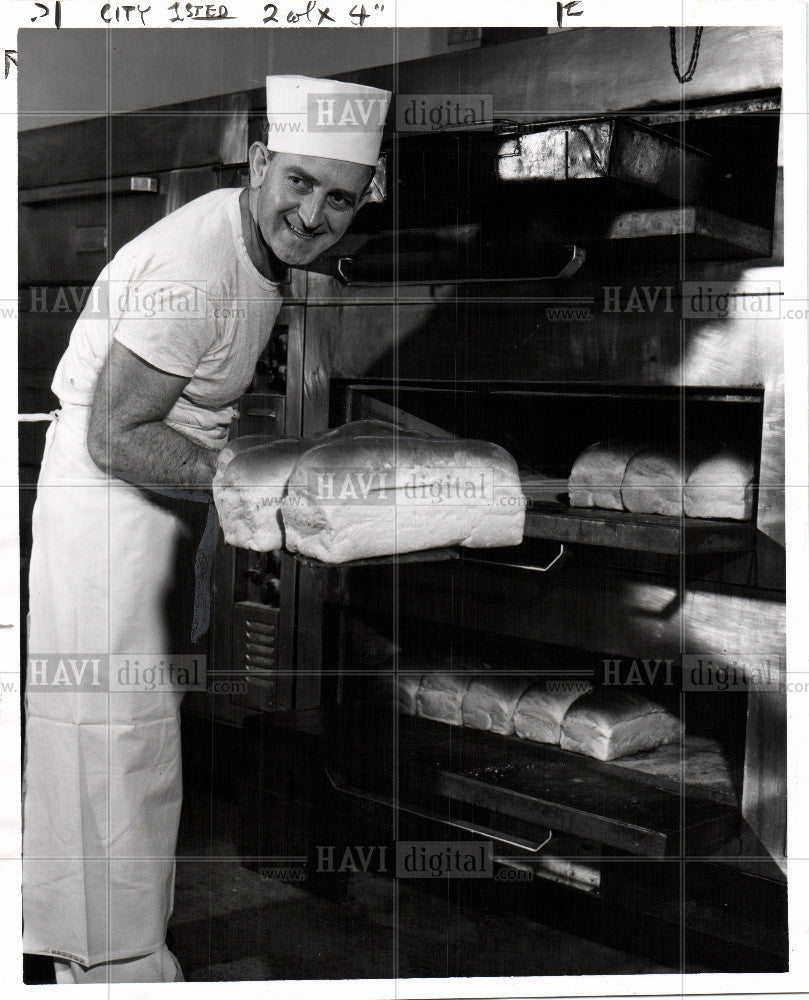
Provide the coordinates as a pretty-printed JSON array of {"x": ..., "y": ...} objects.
[
  {"x": 556, "y": 520},
  {"x": 541, "y": 787}
]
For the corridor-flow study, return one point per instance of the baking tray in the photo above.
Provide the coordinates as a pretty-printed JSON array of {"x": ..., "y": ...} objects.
[
  {"x": 614, "y": 148},
  {"x": 401, "y": 558},
  {"x": 560, "y": 790},
  {"x": 558, "y": 521}
]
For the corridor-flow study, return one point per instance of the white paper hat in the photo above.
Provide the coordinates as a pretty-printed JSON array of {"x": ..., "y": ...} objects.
[{"x": 313, "y": 117}]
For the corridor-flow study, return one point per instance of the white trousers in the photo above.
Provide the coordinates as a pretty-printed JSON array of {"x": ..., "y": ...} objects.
[{"x": 111, "y": 573}]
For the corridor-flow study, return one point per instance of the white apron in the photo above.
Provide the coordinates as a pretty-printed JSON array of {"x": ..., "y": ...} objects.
[{"x": 112, "y": 571}]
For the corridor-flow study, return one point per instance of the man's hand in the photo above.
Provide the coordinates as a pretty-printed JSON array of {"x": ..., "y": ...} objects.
[{"x": 127, "y": 437}]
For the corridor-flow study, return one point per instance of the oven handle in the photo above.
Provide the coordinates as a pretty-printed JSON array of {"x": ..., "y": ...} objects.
[
  {"x": 577, "y": 258},
  {"x": 483, "y": 831}
]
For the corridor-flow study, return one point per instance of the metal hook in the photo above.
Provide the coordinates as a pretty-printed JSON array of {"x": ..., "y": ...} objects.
[
  {"x": 340, "y": 273},
  {"x": 556, "y": 558},
  {"x": 535, "y": 569},
  {"x": 534, "y": 848}
]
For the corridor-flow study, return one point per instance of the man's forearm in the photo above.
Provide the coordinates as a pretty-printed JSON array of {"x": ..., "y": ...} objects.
[{"x": 154, "y": 454}]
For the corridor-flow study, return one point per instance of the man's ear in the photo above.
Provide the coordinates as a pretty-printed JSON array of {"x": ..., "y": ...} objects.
[
  {"x": 258, "y": 157},
  {"x": 366, "y": 197},
  {"x": 376, "y": 189}
]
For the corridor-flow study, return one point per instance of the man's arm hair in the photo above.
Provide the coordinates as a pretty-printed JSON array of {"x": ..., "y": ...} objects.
[{"x": 126, "y": 435}]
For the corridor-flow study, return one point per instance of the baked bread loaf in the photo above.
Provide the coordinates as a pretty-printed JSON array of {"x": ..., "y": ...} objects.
[
  {"x": 653, "y": 482},
  {"x": 441, "y": 695},
  {"x": 720, "y": 486},
  {"x": 352, "y": 429},
  {"x": 377, "y": 496},
  {"x": 606, "y": 724},
  {"x": 490, "y": 701},
  {"x": 251, "y": 479},
  {"x": 248, "y": 491},
  {"x": 598, "y": 474},
  {"x": 540, "y": 711}
]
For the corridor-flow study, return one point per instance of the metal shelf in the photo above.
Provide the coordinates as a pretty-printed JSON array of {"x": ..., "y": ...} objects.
[
  {"x": 552, "y": 789},
  {"x": 698, "y": 232},
  {"x": 556, "y": 521},
  {"x": 403, "y": 558}
]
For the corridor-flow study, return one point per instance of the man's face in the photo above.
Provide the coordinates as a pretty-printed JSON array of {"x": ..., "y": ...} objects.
[{"x": 304, "y": 203}]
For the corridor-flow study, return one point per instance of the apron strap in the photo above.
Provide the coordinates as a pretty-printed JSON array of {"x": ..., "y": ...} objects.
[{"x": 32, "y": 418}]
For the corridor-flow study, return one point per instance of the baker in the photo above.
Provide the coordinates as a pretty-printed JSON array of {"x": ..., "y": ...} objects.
[{"x": 166, "y": 344}]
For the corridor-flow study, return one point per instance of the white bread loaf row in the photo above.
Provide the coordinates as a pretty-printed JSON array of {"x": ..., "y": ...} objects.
[
  {"x": 251, "y": 480},
  {"x": 623, "y": 476},
  {"x": 493, "y": 702},
  {"x": 440, "y": 696},
  {"x": 604, "y": 724},
  {"x": 379, "y": 496},
  {"x": 435, "y": 693},
  {"x": 490, "y": 703},
  {"x": 653, "y": 482}
]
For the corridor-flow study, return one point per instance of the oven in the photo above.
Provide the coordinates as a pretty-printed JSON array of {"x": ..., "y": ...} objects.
[
  {"x": 604, "y": 597},
  {"x": 610, "y": 348}
]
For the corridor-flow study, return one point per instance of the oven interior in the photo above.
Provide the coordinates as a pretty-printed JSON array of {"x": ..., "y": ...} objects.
[
  {"x": 434, "y": 610},
  {"x": 545, "y": 426}
]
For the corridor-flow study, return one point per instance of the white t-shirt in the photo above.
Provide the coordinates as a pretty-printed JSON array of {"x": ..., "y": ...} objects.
[{"x": 186, "y": 298}]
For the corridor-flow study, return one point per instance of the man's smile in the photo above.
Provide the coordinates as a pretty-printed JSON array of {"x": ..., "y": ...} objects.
[{"x": 298, "y": 232}]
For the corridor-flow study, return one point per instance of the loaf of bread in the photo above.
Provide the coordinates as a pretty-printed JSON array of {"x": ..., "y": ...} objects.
[
  {"x": 606, "y": 724},
  {"x": 720, "y": 486},
  {"x": 251, "y": 479},
  {"x": 540, "y": 711},
  {"x": 598, "y": 474},
  {"x": 653, "y": 482},
  {"x": 354, "y": 428},
  {"x": 490, "y": 701},
  {"x": 377, "y": 496},
  {"x": 248, "y": 491},
  {"x": 440, "y": 696}
]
